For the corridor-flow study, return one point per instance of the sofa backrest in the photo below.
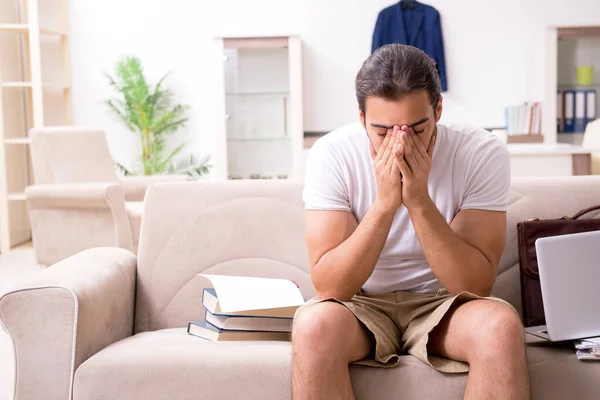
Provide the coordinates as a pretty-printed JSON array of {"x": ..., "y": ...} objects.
[
  {"x": 256, "y": 228},
  {"x": 250, "y": 228},
  {"x": 70, "y": 154}
]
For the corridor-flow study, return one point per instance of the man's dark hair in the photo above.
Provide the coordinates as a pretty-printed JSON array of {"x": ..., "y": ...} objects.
[{"x": 396, "y": 70}]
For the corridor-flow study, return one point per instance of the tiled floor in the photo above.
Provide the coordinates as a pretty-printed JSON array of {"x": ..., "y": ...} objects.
[{"x": 14, "y": 266}]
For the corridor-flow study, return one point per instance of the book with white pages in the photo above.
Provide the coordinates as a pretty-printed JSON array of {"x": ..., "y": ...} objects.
[
  {"x": 250, "y": 296},
  {"x": 204, "y": 330},
  {"x": 240, "y": 323}
]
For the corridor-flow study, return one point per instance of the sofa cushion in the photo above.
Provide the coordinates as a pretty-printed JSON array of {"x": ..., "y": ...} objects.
[{"x": 169, "y": 364}]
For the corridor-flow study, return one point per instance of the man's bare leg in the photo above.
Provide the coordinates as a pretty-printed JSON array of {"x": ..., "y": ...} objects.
[
  {"x": 489, "y": 336},
  {"x": 325, "y": 339}
]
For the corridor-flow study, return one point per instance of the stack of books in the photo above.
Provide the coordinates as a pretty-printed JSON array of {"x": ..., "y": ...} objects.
[
  {"x": 245, "y": 308},
  {"x": 524, "y": 119},
  {"x": 588, "y": 349}
]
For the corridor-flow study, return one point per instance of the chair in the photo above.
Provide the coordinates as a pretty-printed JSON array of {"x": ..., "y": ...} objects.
[
  {"x": 78, "y": 202},
  {"x": 591, "y": 140}
]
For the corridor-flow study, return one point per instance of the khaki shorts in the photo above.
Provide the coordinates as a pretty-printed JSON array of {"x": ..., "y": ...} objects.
[{"x": 401, "y": 322}]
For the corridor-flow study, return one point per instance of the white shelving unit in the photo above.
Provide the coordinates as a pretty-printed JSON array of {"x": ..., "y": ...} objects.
[
  {"x": 28, "y": 32},
  {"x": 258, "y": 120},
  {"x": 561, "y": 57}
]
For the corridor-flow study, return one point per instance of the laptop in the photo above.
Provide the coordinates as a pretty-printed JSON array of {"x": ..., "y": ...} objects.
[{"x": 569, "y": 267}]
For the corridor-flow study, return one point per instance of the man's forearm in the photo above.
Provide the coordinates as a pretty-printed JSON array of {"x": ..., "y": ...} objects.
[
  {"x": 458, "y": 265},
  {"x": 342, "y": 271}
]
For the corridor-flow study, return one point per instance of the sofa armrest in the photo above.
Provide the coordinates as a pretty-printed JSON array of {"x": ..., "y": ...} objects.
[
  {"x": 74, "y": 195},
  {"x": 68, "y": 218},
  {"x": 135, "y": 186},
  {"x": 64, "y": 315}
]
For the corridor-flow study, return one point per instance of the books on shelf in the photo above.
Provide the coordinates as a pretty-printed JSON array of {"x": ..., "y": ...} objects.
[
  {"x": 247, "y": 308},
  {"x": 575, "y": 108},
  {"x": 524, "y": 119}
]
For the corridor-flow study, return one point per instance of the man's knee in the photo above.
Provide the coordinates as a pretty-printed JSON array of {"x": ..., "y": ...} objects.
[
  {"x": 322, "y": 327},
  {"x": 501, "y": 331}
]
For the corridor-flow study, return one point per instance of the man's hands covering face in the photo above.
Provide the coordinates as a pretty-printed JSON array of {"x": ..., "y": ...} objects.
[
  {"x": 414, "y": 162},
  {"x": 387, "y": 171}
]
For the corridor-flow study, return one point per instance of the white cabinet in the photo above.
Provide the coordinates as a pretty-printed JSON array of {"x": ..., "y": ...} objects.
[
  {"x": 549, "y": 160},
  {"x": 566, "y": 48},
  {"x": 258, "y": 118}
]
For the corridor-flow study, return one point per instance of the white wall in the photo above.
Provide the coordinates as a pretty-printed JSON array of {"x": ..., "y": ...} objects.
[{"x": 494, "y": 53}]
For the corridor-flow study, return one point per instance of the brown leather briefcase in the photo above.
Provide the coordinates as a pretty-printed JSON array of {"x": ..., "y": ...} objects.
[{"x": 529, "y": 232}]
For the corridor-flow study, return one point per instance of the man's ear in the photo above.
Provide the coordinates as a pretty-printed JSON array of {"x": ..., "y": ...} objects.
[{"x": 438, "y": 109}]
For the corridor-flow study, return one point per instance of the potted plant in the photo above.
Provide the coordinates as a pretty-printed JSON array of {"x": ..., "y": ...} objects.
[{"x": 149, "y": 112}]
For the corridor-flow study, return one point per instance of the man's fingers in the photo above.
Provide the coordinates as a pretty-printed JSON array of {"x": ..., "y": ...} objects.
[
  {"x": 401, "y": 162},
  {"x": 409, "y": 151},
  {"x": 391, "y": 145},
  {"x": 395, "y": 168},
  {"x": 431, "y": 145},
  {"x": 418, "y": 148},
  {"x": 384, "y": 145}
]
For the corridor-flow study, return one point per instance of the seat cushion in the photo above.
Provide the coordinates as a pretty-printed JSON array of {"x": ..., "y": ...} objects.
[
  {"x": 134, "y": 212},
  {"x": 171, "y": 364}
]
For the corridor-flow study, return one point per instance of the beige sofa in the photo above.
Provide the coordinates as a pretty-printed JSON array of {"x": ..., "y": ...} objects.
[
  {"x": 104, "y": 325},
  {"x": 78, "y": 202}
]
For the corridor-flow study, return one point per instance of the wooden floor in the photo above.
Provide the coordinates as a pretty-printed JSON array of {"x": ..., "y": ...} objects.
[{"x": 14, "y": 267}]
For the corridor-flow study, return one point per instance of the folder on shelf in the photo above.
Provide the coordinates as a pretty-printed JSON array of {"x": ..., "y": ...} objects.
[
  {"x": 580, "y": 112},
  {"x": 590, "y": 106},
  {"x": 560, "y": 107},
  {"x": 569, "y": 115}
]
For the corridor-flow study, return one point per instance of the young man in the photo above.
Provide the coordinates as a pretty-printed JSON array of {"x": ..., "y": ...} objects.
[{"x": 406, "y": 223}]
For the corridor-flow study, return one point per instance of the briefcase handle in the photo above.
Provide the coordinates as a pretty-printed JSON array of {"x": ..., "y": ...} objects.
[{"x": 587, "y": 210}]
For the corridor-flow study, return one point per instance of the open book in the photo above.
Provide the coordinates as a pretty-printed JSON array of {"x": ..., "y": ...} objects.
[{"x": 250, "y": 296}]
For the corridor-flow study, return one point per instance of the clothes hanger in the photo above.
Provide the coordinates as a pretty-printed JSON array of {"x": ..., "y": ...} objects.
[{"x": 408, "y": 4}]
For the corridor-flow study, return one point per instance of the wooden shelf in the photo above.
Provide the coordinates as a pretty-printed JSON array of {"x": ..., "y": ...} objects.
[
  {"x": 577, "y": 32},
  {"x": 29, "y": 85},
  {"x": 256, "y": 42},
  {"x": 24, "y": 28},
  {"x": 31, "y": 82},
  {"x": 525, "y": 138},
  {"x": 17, "y": 197},
  {"x": 18, "y": 141}
]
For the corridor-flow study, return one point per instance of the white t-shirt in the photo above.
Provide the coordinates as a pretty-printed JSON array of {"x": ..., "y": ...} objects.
[{"x": 470, "y": 170}]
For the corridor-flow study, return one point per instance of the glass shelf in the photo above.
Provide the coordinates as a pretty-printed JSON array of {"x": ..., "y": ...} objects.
[
  {"x": 257, "y": 100},
  {"x": 267, "y": 139},
  {"x": 575, "y": 85}
]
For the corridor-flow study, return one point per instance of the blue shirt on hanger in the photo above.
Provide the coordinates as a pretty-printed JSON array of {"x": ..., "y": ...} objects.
[{"x": 419, "y": 27}]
